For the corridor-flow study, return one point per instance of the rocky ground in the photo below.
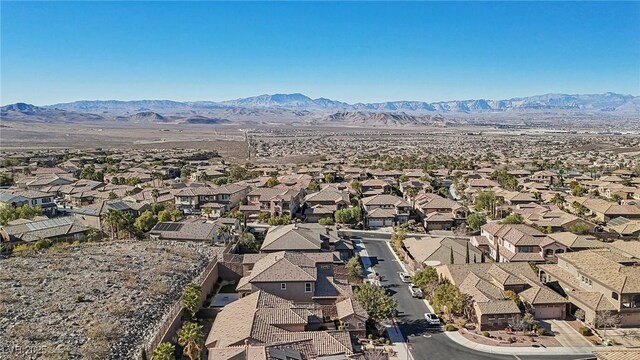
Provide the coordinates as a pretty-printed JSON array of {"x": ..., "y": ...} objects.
[{"x": 92, "y": 301}]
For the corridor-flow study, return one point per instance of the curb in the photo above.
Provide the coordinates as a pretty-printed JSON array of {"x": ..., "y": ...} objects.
[{"x": 460, "y": 340}]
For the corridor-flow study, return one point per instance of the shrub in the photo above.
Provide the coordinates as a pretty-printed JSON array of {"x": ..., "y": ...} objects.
[
  {"x": 540, "y": 331},
  {"x": 584, "y": 331},
  {"x": 79, "y": 298},
  {"x": 21, "y": 248},
  {"x": 451, "y": 327},
  {"x": 486, "y": 334}
]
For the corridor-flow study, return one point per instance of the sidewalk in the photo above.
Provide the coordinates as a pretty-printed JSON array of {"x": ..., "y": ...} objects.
[{"x": 505, "y": 350}]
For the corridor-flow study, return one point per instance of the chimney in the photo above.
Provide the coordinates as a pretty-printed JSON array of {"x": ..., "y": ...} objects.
[{"x": 246, "y": 343}]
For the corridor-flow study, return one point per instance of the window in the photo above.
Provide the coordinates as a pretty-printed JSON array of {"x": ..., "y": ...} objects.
[
  {"x": 283, "y": 286},
  {"x": 307, "y": 287},
  {"x": 614, "y": 296}
]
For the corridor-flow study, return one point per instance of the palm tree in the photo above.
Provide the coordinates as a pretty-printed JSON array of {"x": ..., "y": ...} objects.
[
  {"x": 207, "y": 211},
  {"x": 113, "y": 219},
  {"x": 190, "y": 338},
  {"x": 557, "y": 200},
  {"x": 155, "y": 194},
  {"x": 164, "y": 351},
  {"x": 223, "y": 231}
]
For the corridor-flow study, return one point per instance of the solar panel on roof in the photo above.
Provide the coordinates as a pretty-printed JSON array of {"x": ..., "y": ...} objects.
[
  {"x": 285, "y": 354},
  {"x": 169, "y": 227}
]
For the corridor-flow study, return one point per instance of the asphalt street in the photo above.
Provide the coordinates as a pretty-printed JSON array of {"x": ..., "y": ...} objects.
[{"x": 426, "y": 343}]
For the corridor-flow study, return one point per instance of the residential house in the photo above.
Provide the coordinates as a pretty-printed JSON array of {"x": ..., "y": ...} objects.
[
  {"x": 438, "y": 213},
  {"x": 56, "y": 229},
  {"x": 372, "y": 187},
  {"x": 423, "y": 251},
  {"x": 295, "y": 276},
  {"x": 297, "y": 237},
  {"x": 487, "y": 283},
  {"x": 262, "y": 319},
  {"x": 385, "y": 210},
  {"x": 280, "y": 200},
  {"x": 519, "y": 242},
  {"x": 92, "y": 215},
  {"x": 193, "y": 198},
  {"x": 596, "y": 281},
  {"x": 325, "y": 203},
  {"x": 544, "y": 177},
  {"x": 19, "y": 197}
]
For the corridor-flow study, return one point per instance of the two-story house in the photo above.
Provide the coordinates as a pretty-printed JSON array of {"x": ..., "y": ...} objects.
[
  {"x": 193, "y": 199},
  {"x": 33, "y": 198},
  {"x": 438, "y": 213},
  {"x": 276, "y": 200},
  {"x": 325, "y": 203},
  {"x": 519, "y": 242},
  {"x": 296, "y": 276},
  {"x": 385, "y": 210},
  {"x": 597, "y": 281}
]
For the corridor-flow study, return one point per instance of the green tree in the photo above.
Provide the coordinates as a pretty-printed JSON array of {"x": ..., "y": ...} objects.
[
  {"x": 354, "y": 268},
  {"x": 7, "y": 213},
  {"x": 557, "y": 200},
  {"x": 155, "y": 194},
  {"x": 511, "y": 295},
  {"x": 485, "y": 200},
  {"x": 375, "y": 301},
  {"x": 427, "y": 279},
  {"x": 133, "y": 181},
  {"x": 279, "y": 220},
  {"x": 164, "y": 351},
  {"x": 191, "y": 338},
  {"x": 247, "y": 240},
  {"x": 497, "y": 253},
  {"x": 191, "y": 299},
  {"x": 467, "y": 258},
  {"x": 513, "y": 219},
  {"x": 313, "y": 185},
  {"x": 164, "y": 215},
  {"x": 326, "y": 221},
  {"x": 356, "y": 185},
  {"x": 271, "y": 182},
  {"x": 452, "y": 260},
  {"x": 580, "y": 228},
  {"x": 263, "y": 216},
  {"x": 476, "y": 220},
  {"x": 113, "y": 219},
  {"x": 145, "y": 221},
  {"x": 348, "y": 216},
  {"x": 447, "y": 298},
  {"x": 176, "y": 214}
]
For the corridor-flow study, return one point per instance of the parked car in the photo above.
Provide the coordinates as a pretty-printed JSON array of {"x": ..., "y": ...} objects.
[
  {"x": 432, "y": 319},
  {"x": 415, "y": 291},
  {"x": 405, "y": 277}
]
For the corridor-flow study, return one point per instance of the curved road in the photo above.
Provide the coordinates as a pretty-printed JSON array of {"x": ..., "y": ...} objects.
[{"x": 425, "y": 343}]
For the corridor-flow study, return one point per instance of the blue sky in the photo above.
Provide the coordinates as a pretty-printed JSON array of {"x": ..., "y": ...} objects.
[{"x": 350, "y": 51}]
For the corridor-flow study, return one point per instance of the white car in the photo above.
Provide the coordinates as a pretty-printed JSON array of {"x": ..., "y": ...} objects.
[
  {"x": 405, "y": 277},
  {"x": 432, "y": 319},
  {"x": 415, "y": 291}
]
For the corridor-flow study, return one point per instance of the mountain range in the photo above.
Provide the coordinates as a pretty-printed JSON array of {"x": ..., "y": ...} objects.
[{"x": 301, "y": 108}]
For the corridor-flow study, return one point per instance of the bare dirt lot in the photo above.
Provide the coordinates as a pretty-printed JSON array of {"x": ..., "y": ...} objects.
[
  {"x": 228, "y": 141},
  {"x": 92, "y": 300}
]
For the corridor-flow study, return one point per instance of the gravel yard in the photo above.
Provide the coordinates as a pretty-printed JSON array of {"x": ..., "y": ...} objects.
[{"x": 92, "y": 300}]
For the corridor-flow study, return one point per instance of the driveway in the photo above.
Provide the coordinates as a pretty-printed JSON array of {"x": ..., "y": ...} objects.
[
  {"x": 425, "y": 343},
  {"x": 565, "y": 334}
]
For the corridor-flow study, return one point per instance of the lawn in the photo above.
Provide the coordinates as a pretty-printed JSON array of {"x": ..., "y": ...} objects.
[{"x": 229, "y": 288}]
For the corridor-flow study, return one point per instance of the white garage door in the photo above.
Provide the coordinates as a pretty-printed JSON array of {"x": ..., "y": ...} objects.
[{"x": 551, "y": 312}]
